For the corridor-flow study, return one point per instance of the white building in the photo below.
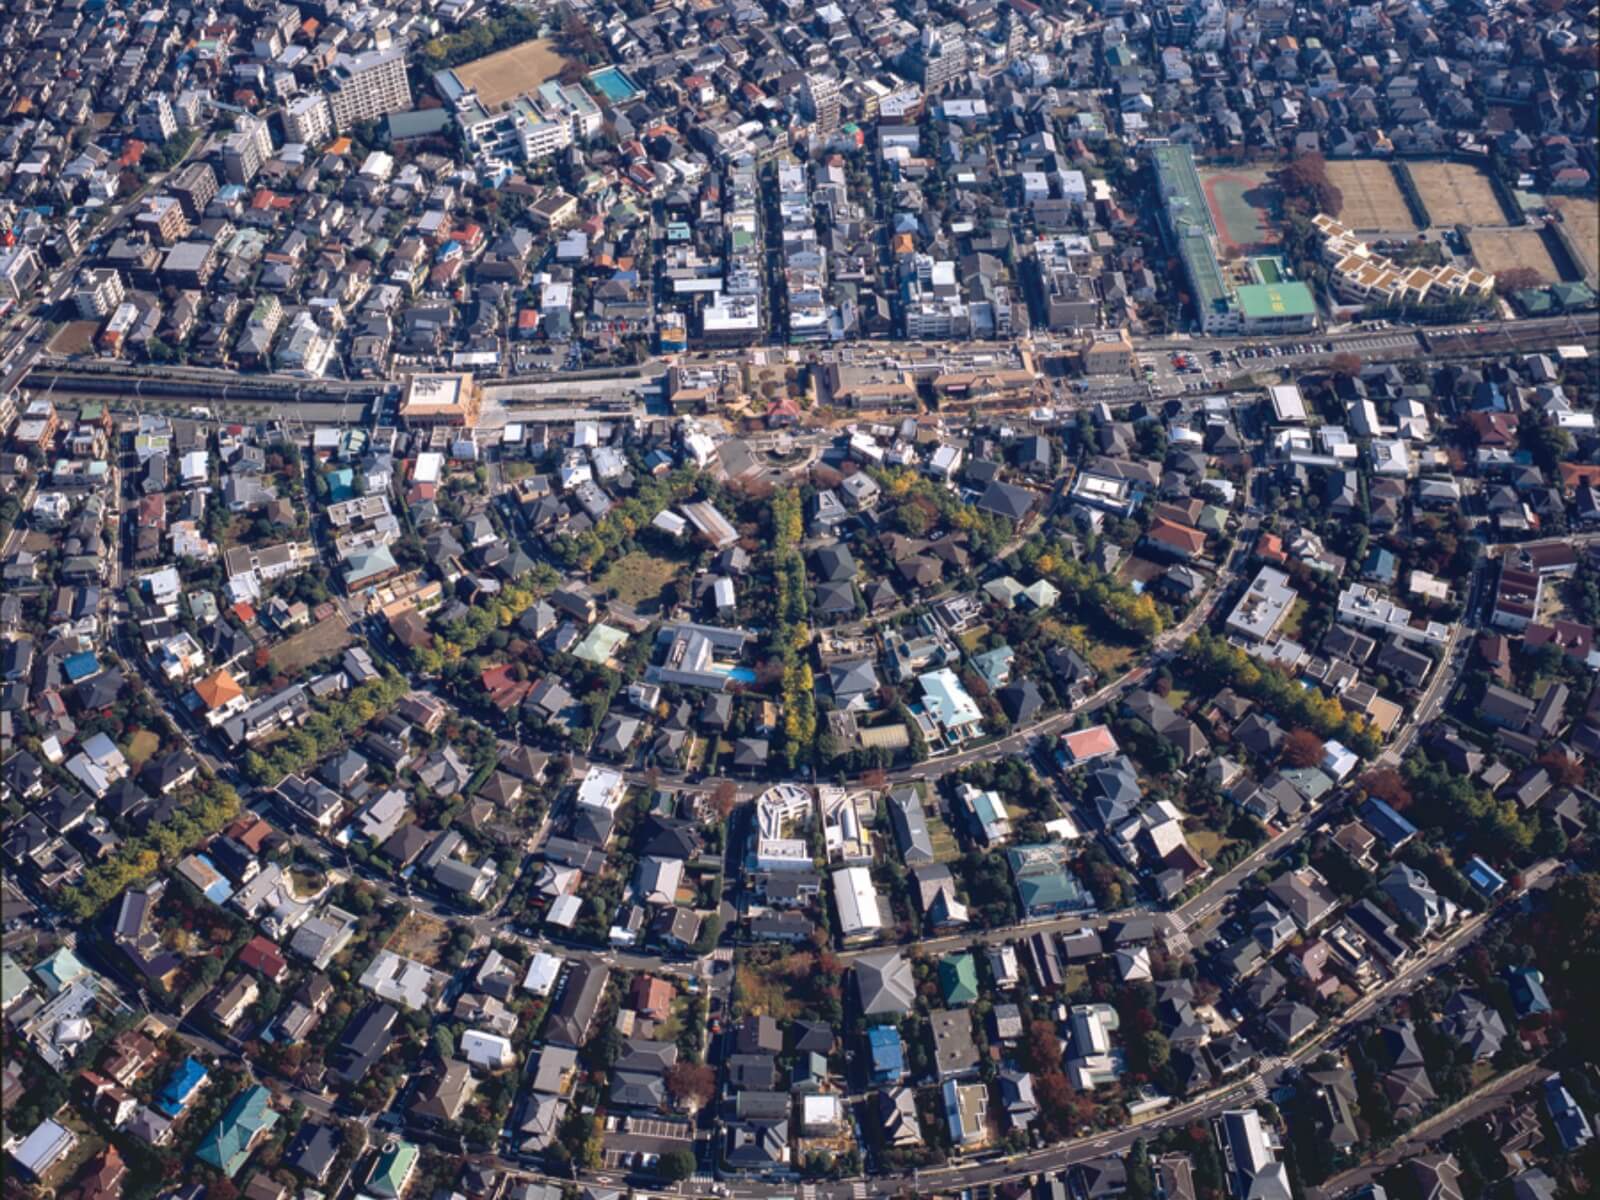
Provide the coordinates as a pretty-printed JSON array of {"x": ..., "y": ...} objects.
[{"x": 859, "y": 905}]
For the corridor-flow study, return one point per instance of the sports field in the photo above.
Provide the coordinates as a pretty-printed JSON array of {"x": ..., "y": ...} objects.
[
  {"x": 1373, "y": 202},
  {"x": 1581, "y": 216},
  {"x": 512, "y": 72},
  {"x": 1456, "y": 194},
  {"x": 1245, "y": 206},
  {"x": 1502, "y": 249}
]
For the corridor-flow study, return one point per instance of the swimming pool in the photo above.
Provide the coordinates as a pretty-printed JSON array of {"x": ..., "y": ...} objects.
[
  {"x": 742, "y": 675},
  {"x": 613, "y": 84}
]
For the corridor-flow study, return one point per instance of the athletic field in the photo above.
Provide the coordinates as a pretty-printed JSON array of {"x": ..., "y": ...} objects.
[
  {"x": 1456, "y": 194},
  {"x": 512, "y": 72},
  {"x": 1245, "y": 206}
]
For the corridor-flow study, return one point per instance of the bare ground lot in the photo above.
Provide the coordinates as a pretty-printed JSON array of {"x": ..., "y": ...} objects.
[
  {"x": 1456, "y": 193},
  {"x": 74, "y": 338},
  {"x": 1502, "y": 249},
  {"x": 512, "y": 72},
  {"x": 1581, "y": 216},
  {"x": 421, "y": 938},
  {"x": 295, "y": 654},
  {"x": 1373, "y": 201}
]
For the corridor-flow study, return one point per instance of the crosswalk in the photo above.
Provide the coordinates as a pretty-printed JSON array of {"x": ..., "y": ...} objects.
[
  {"x": 858, "y": 1190},
  {"x": 1258, "y": 1088}
]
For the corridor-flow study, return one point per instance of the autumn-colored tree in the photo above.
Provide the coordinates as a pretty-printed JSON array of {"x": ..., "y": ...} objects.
[
  {"x": 1302, "y": 748},
  {"x": 692, "y": 1084},
  {"x": 1305, "y": 182},
  {"x": 723, "y": 798},
  {"x": 1564, "y": 771},
  {"x": 1518, "y": 279},
  {"x": 1345, "y": 364},
  {"x": 1387, "y": 784}
]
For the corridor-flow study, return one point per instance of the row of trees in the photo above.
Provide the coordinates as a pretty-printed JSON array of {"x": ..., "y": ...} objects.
[
  {"x": 627, "y": 518},
  {"x": 791, "y": 635},
  {"x": 328, "y": 726},
  {"x": 1210, "y": 657},
  {"x": 1091, "y": 590},
  {"x": 210, "y": 806}
]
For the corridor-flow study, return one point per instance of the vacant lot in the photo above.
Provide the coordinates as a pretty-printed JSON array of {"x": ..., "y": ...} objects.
[
  {"x": 1502, "y": 249},
  {"x": 1456, "y": 194},
  {"x": 638, "y": 577},
  {"x": 1581, "y": 216},
  {"x": 1245, "y": 205},
  {"x": 141, "y": 746},
  {"x": 420, "y": 937},
  {"x": 512, "y": 72},
  {"x": 293, "y": 655},
  {"x": 75, "y": 337},
  {"x": 1372, "y": 199}
]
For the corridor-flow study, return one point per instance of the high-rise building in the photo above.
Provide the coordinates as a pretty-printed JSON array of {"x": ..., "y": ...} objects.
[
  {"x": 98, "y": 293},
  {"x": 942, "y": 55},
  {"x": 821, "y": 95},
  {"x": 308, "y": 120},
  {"x": 195, "y": 187},
  {"x": 368, "y": 86},
  {"x": 157, "y": 121}
]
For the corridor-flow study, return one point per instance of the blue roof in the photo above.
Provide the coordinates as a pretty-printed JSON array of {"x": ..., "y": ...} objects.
[
  {"x": 1484, "y": 877},
  {"x": 81, "y": 665},
  {"x": 175, "y": 1097},
  {"x": 1389, "y": 825},
  {"x": 888, "y": 1053},
  {"x": 1527, "y": 991}
]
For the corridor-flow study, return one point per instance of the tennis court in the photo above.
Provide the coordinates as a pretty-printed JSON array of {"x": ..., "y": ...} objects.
[
  {"x": 1245, "y": 206},
  {"x": 1373, "y": 202},
  {"x": 1456, "y": 194}
]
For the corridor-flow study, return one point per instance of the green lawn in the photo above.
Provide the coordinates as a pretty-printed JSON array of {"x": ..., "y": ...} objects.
[
  {"x": 1108, "y": 659},
  {"x": 637, "y": 577},
  {"x": 1208, "y": 843},
  {"x": 141, "y": 746},
  {"x": 1297, "y": 614},
  {"x": 944, "y": 842}
]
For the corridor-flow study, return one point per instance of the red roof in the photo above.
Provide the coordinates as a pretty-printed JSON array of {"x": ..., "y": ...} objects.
[
  {"x": 1183, "y": 538},
  {"x": 1085, "y": 744},
  {"x": 261, "y": 955}
]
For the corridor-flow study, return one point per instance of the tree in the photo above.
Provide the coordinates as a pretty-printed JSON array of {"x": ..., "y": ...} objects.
[
  {"x": 1345, "y": 365},
  {"x": 1518, "y": 279},
  {"x": 1386, "y": 784},
  {"x": 691, "y": 1084},
  {"x": 444, "y": 1043},
  {"x": 723, "y": 798},
  {"x": 1302, "y": 748},
  {"x": 676, "y": 1165},
  {"x": 1306, "y": 181},
  {"x": 1564, "y": 771}
]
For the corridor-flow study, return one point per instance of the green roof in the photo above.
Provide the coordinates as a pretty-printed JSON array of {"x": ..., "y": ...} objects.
[
  {"x": 418, "y": 123},
  {"x": 227, "y": 1147},
  {"x": 13, "y": 980},
  {"x": 1180, "y": 188},
  {"x": 59, "y": 970},
  {"x": 392, "y": 1172},
  {"x": 958, "y": 979},
  {"x": 1260, "y": 301},
  {"x": 599, "y": 645}
]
